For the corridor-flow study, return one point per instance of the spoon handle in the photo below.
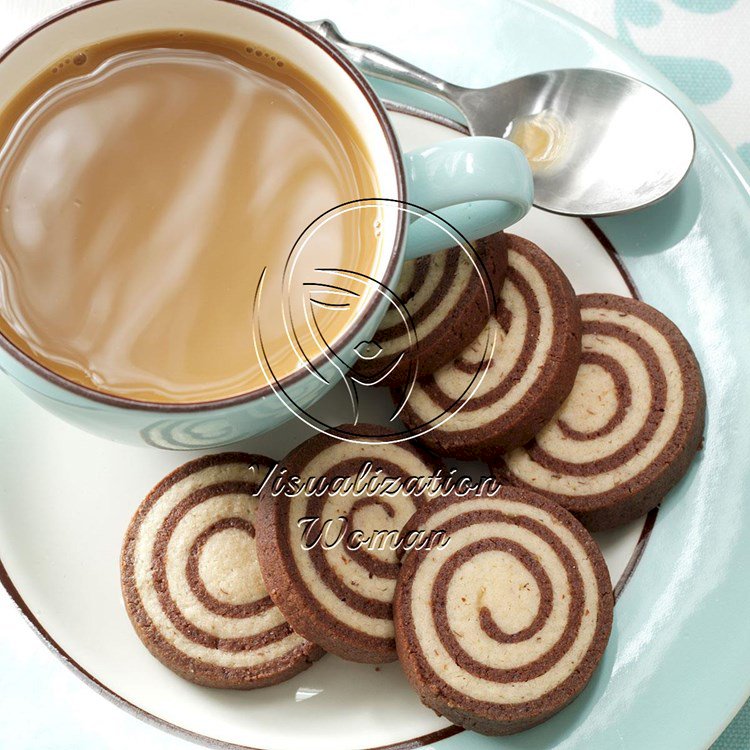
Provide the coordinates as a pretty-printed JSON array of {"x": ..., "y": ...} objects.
[{"x": 381, "y": 64}]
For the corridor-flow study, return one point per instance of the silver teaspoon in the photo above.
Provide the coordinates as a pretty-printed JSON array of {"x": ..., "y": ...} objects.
[{"x": 598, "y": 142}]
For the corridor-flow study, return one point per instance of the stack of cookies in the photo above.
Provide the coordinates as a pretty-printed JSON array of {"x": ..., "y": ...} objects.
[
  {"x": 239, "y": 572},
  {"x": 594, "y": 401}
]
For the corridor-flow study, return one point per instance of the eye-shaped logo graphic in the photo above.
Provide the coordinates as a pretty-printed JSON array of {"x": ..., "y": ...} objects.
[{"x": 329, "y": 309}]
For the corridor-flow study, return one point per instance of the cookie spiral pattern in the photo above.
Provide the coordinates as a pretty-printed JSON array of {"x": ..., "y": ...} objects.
[
  {"x": 505, "y": 625},
  {"x": 536, "y": 335},
  {"x": 631, "y": 425},
  {"x": 337, "y": 594},
  {"x": 449, "y": 297},
  {"x": 191, "y": 582}
]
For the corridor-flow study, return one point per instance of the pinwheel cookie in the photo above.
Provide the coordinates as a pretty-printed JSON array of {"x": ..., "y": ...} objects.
[
  {"x": 443, "y": 301},
  {"x": 191, "y": 583},
  {"x": 505, "y": 625},
  {"x": 334, "y": 589},
  {"x": 632, "y": 424},
  {"x": 505, "y": 385}
]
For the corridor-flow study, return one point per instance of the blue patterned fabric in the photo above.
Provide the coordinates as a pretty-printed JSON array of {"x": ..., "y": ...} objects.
[
  {"x": 737, "y": 734},
  {"x": 700, "y": 45},
  {"x": 704, "y": 80}
]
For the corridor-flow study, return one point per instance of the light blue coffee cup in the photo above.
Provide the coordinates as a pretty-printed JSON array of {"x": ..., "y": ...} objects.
[{"x": 477, "y": 185}]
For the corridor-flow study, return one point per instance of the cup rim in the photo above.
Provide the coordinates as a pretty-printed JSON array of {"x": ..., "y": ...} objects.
[{"x": 301, "y": 373}]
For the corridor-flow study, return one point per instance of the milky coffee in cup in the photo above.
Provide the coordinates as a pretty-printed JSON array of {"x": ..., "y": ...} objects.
[{"x": 145, "y": 183}]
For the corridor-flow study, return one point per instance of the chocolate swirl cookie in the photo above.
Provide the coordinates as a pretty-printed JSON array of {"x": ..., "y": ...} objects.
[
  {"x": 526, "y": 357},
  {"x": 632, "y": 424},
  {"x": 191, "y": 583},
  {"x": 447, "y": 299},
  {"x": 505, "y": 625},
  {"x": 328, "y": 553}
]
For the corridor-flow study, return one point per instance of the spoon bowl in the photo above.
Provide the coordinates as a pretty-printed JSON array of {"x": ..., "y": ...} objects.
[{"x": 598, "y": 142}]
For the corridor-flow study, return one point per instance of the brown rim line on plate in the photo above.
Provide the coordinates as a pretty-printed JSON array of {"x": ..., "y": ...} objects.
[
  {"x": 379, "y": 110},
  {"x": 411, "y": 744}
]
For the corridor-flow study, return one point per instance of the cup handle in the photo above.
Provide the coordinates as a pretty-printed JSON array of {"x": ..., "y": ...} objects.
[{"x": 478, "y": 185}]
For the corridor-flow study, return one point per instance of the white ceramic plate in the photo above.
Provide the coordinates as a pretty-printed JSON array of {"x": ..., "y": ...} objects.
[{"x": 62, "y": 528}]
